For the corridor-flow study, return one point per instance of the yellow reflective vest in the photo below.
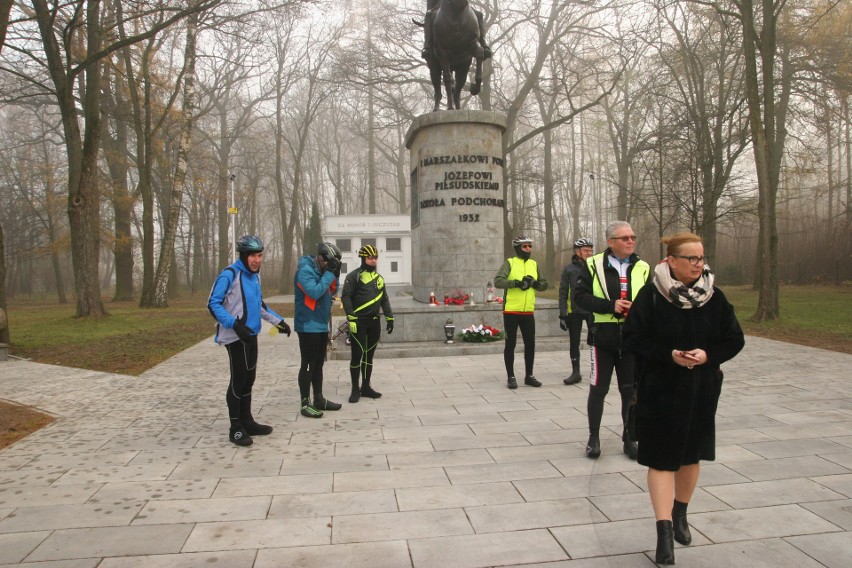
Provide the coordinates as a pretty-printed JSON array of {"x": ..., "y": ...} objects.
[
  {"x": 517, "y": 300},
  {"x": 639, "y": 272}
]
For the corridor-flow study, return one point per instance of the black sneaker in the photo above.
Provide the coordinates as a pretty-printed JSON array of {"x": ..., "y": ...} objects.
[
  {"x": 367, "y": 390},
  {"x": 593, "y": 447},
  {"x": 240, "y": 437},
  {"x": 325, "y": 404},
  {"x": 532, "y": 381},
  {"x": 309, "y": 411},
  {"x": 513, "y": 384},
  {"x": 254, "y": 429}
]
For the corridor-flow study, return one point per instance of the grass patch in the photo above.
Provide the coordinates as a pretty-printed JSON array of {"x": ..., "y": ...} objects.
[
  {"x": 129, "y": 341},
  {"x": 17, "y": 421},
  {"x": 809, "y": 315}
]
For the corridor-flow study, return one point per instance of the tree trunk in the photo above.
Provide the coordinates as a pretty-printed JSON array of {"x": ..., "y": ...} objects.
[
  {"x": 760, "y": 84},
  {"x": 4, "y": 321},
  {"x": 115, "y": 153},
  {"x": 82, "y": 154},
  {"x": 179, "y": 183}
]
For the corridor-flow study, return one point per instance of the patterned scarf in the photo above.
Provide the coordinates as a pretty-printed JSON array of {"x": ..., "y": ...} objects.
[{"x": 679, "y": 294}]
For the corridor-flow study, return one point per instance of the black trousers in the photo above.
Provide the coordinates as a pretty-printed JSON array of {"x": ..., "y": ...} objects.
[
  {"x": 526, "y": 323},
  {"x": 363, "y": 348},
  {"x": 312, "y": 347},
  {"x": 604, "y": 361},
  {"x": 575, "y": 328},
  {"x": 243, "y": 359}
]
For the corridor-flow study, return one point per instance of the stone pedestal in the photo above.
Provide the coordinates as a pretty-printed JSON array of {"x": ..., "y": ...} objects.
[{"x": 456, "y": 164}]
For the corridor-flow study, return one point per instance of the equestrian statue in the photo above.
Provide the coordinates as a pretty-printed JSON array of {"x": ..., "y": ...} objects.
[{"x": 454, "y": 36}]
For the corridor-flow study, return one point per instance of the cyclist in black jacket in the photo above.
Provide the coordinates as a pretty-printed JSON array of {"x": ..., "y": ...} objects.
[{"x": 363, "y": 296}]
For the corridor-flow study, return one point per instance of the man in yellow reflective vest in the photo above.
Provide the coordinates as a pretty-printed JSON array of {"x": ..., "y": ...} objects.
[
  {"x": 607, "y": 289},
  {"x": 520, "y": 278}
]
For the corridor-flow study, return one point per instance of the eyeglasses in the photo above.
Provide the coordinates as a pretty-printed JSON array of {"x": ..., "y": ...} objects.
[
  {"x": 625, "y": 238},
  {"x": 693, "y": 260}
]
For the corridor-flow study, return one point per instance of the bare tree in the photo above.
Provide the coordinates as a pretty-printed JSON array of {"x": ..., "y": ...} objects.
[{"x": 74, "y": 43}]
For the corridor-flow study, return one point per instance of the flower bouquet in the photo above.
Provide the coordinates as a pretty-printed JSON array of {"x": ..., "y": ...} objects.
[
  {"x": 481, "y": 334},
  {"x": 457, "y": 298}
]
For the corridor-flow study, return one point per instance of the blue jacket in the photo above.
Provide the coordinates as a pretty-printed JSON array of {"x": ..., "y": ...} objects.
[
  {"x": 314, "y": 292},
  {"x": 236, "y": 295}
]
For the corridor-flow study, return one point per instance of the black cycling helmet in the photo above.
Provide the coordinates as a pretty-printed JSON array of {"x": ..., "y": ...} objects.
[
  {"x": 583, "y": 242},
  {"x": 368, "y": 250},
  {"x": 327, "y": 249},
  {"x": 249, "y": 244}
]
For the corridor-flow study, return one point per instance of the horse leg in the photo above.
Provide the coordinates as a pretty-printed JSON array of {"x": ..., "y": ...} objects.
[
  {"x": 461, "y": 79},
  {"x": 477, "y": 78},
  {"x": 435, "y": 74},
  {"x": 449, "y": 85}
]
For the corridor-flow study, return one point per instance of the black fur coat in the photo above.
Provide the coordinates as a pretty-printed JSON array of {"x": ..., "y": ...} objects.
[{"x": 676, "y": 410}]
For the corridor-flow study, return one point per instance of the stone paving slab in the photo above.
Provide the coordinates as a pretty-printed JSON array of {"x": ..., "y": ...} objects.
[{"x": 448, "y": 469}]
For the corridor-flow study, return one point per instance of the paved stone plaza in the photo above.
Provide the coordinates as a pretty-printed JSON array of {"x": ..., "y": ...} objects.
[{"x": 448, "y": 469}]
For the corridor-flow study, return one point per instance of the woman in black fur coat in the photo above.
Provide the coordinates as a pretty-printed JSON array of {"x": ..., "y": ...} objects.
[{"x": 681, "y": 330}]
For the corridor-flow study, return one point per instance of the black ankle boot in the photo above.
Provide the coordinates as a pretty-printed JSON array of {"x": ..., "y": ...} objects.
[
  {"x": 239, "y": 437},
  {"x": 255, "y": 429},
  {"x": 593, "y": 447},
  {"x": 575, "y": 374},
  {"x": 355, "y": 396},
  {"x": 665, "y": 543},
  {"x": 681, "y": 527},
  {"x": 322, "y": 403},
  {"x": 367, "y": 390}
]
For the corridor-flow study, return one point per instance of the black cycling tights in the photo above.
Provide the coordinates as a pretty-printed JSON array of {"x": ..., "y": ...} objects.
[
  {"x": 243, "y": 357},
  {"x": 363, "y": 348},
  {"x": 527, "y": 325},
  {"x": 312, "y": 347}
]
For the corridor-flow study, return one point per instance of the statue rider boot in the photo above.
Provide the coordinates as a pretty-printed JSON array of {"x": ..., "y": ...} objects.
[
  {"x": 681, "y": 527},
  {"x": 486, "y": 51},
  {"x": 426, "y": 52},
  {"x": 575, "y": 377},
  {"x": 251, "y": 427},
  {"x": 665, "y": 543}
]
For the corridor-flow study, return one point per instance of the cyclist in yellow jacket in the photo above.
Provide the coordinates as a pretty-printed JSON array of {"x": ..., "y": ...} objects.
[
  {"x": 520, "y": 277},
  {"x": 364, "y": 295}
]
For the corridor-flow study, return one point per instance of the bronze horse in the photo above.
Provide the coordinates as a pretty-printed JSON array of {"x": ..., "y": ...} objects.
[{"x": 457, "y": 38}]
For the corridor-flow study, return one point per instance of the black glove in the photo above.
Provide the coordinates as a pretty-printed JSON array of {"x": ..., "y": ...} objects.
[
  {"x": 537, "y": 285},
  {"x": 526, "y": 282},
  {"x": 284, "y": 328},
  {"x": 243, "y": 331},
  {"x": 563, "y": 323},
  {"x": 389, "y": 325},
  {"x": 332, "y": 264}
]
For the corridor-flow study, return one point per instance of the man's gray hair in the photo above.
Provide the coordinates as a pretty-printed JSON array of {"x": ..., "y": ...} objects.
[{"x": 613, "y": 226}]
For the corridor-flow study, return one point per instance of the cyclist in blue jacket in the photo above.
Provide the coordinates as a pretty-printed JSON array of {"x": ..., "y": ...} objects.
[{"x": 237, "y": 304}]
